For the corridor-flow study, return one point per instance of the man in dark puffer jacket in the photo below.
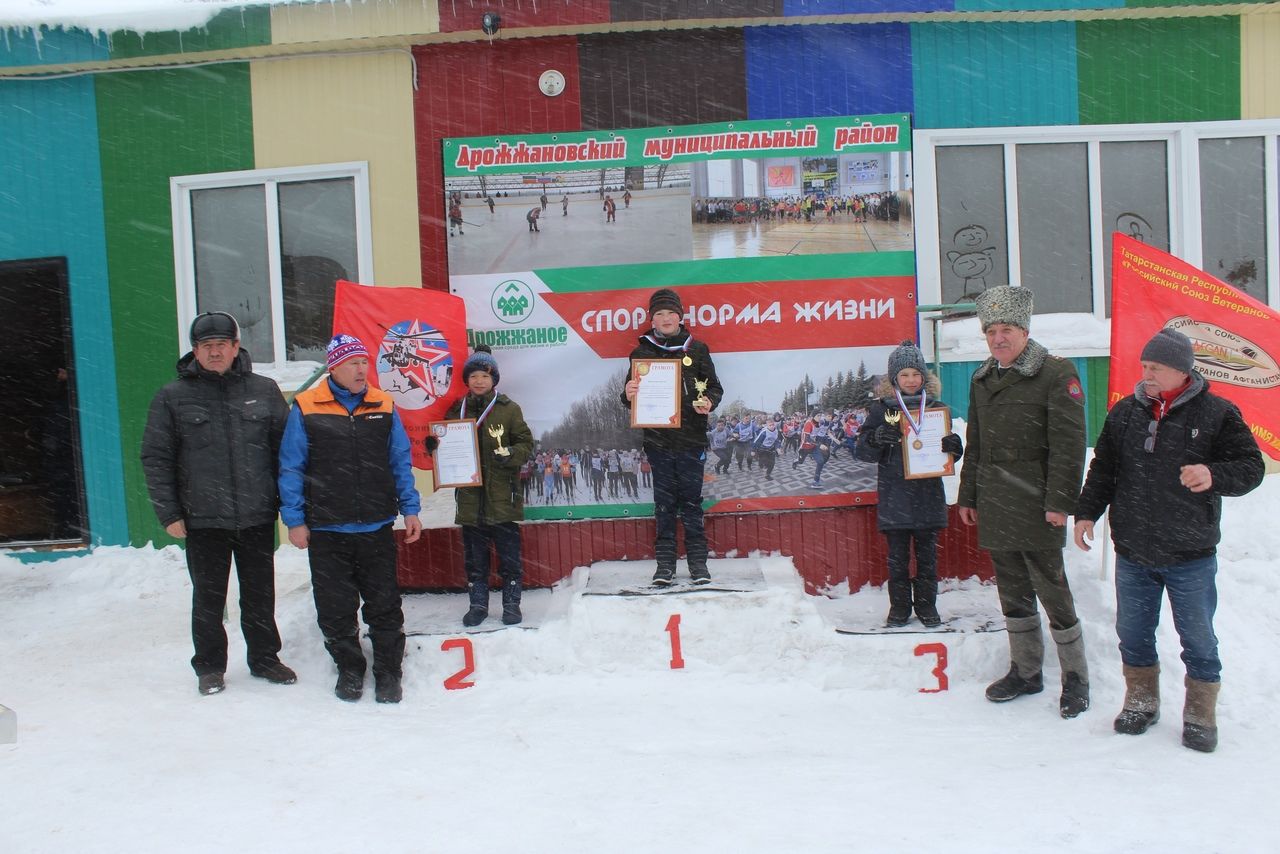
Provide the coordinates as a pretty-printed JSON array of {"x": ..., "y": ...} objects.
[
  {"x": 1166, "y": 456},
  {"x": 209, "y": 455}
]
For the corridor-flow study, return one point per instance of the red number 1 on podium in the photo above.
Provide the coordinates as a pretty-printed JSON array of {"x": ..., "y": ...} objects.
[{"x": 673, "y": 629}]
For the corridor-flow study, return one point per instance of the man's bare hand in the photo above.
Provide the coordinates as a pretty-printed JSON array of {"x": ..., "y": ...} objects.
[
  {"x": 300, "y": 536},
  {"x": 412, "y": 529},
  {"x": 176, "y": 529},
  {"x": 1197, "y": 478},
  {"x": 969, "y": 516},
  {"x": 1083, "y": 532}
]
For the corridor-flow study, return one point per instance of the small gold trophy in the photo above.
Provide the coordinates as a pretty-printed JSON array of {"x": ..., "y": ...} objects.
[
  {"x": 496, "y": 432},
  {"x": 892, "y": 417},
  {"x": 701, "y": 387}
]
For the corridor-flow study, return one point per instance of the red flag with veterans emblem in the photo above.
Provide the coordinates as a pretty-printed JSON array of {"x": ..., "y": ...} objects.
[
  {"x": 417, "y": 342},
  {"x": 1235, "y": 338}
]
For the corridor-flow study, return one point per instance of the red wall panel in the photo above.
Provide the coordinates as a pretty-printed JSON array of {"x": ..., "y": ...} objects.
[
  {"x": 829, "y": 547},
  {"x": 457, "y": 16},
  {"x": 478, "y": 89}
]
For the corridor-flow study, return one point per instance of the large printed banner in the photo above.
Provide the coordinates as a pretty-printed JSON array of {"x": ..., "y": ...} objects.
[
  {"x": 417, "y": 345},
  {"x": 790, "y": 243},
  {"x": 1234, "y": 336}
]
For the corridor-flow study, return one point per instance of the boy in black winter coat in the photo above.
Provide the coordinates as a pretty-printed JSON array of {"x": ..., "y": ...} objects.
[
  {"x": 908, "y": 510},
  {"x": 678, "y": 455}
]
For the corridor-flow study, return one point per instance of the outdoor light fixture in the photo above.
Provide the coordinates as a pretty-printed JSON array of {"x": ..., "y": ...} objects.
[{"x": 489, "y": 23}]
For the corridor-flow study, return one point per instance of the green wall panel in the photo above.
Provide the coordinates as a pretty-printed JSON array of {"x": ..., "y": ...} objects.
[
  {"x": 230, "y": 29},
  {"x": 155, "y": 125},
  {"x": 1159, "y": 70}
]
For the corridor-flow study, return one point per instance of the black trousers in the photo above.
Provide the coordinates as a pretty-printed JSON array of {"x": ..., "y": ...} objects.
[
  {"x": 209, "y": 553},
  {"x": 505, "y": 539},
  {"x": 903, "y": 591},
  {"x": 677, "y": 494},
  {"x": 346, "y": 568}
]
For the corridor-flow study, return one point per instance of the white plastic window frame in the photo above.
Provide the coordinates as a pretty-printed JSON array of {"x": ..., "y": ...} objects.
[
  {"x": 1183, "y": 147},
  {"x": 180, "y": 188}
]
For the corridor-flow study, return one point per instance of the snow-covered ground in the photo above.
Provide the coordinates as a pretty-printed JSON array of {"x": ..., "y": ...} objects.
[{"x": 777, "y": 735}]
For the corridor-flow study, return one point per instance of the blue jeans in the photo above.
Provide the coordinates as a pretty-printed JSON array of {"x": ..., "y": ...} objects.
[{"x": 1193, "y": 597}]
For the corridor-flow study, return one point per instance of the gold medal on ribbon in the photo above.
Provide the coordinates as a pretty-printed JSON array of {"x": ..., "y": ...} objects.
[
  {"x": 917, "y": 444},
  {"x": 687, "y": 360}
]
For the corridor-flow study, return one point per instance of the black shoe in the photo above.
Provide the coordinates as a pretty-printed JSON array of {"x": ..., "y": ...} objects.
[
  {"x": 475, "y": 616},
  {"x": 275, "y": 673},
  {"x": 700, "y": 576},
  {"x": 1135, "y": 721},
  {"x": 211, "y": 683},
  {"x": 387, "y": 689},
  {"x": 1012, "y": 685},
  {"x": 1075, "y": 696},
  {"x": 899, "y": 615},
  {"x": 511, "y": 615},
  {"x": 928, "y": 615},
  {"x": 664, "y": 577},
  {"x": 350, "y": 685},
  {"x": 1201, "y": 738}
]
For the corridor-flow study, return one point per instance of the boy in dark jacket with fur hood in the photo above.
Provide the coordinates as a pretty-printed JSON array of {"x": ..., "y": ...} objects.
[{"x": 909, "y": 511}]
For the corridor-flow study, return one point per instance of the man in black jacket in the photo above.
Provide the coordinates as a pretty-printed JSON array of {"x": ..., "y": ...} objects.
[
  {"x": 1166, "y": 456},
  {"x": 209, "y": 454},
  {"x": 678, "y": 455}
]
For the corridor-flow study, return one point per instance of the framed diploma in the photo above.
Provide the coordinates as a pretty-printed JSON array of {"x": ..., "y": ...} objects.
[
  {"x": 657, "y": 400},
  {"x": 457, "y": 454},
  {"x": 922, "y": 454}
]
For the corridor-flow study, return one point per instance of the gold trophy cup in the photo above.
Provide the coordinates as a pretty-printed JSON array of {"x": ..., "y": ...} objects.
[
  {"x": 701, "y": 387},
  {"x": 496, "y": 432}
]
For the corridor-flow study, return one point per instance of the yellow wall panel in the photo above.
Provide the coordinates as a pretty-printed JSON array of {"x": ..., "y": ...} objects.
[
  {"x": 352, "y": 20},
  {"x": 336, "y": 109},
  {"x": 1260, "y": 66}
]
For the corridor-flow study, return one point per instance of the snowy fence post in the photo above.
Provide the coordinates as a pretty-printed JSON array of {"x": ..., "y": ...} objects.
[{"x": 8, "y": 726}]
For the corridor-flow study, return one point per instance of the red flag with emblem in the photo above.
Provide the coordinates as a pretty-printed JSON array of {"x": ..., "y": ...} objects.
[
  {"x": 417, "y": 342},
  {"x": 1234, "y": 336}
]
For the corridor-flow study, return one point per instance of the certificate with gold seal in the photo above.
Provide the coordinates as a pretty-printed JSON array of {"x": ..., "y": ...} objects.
[
  {"x": 457, "y": 453},
  {"x": 657, "y": 400},
  {"x": 922, "y": 454}
]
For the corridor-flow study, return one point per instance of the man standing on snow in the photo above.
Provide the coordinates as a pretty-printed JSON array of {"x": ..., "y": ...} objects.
[
  {"x": 1020, "y": 481},
  {"x": 209, "y": 455},
  {"x": 1166, "y": 456},
  {"x": 345, "y": 473}
]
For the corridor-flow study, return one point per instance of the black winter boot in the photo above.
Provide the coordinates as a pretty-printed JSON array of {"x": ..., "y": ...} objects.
[
  {"x": 350, "y": 685},
  {"x": 387, "y": 688},
  {"x": 1141, "y": 700},
  {"x": 511, "y": 615},
  {"x": 899, "y": 615},
  {"x": 478, "y": 591},
  {"x": 1013, "y": 685},
  {"x": 1075, "y": 670},
  {"x": 1026, "y": 652}
]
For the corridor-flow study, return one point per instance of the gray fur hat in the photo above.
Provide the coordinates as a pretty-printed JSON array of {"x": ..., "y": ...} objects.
[
  {"x": 1170, "y": 347},
  {"x": 1005, "y": 304},
  {"x": 906, "y": 355}
]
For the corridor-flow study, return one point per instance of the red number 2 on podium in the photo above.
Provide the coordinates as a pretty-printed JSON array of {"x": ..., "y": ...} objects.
[{"x": 459, "y": 680}]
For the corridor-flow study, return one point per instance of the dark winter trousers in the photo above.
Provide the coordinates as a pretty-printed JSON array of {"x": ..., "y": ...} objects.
[
  {"x": 1023, "y": 577},
  {"x": 209, "y": 553},
  {"x": 677, "y": 492},
  {"x": 766, "y": 457},
  {"x": 504, "y": 537},
  {"x": 901, "y": 585},
  {"x": 346, "y": 568}
]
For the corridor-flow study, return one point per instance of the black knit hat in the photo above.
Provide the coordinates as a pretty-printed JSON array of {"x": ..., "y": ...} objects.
[
  {"x": 665, "y": 298},
  {"x": 1170, "y": 347},
  {"x": 906, "y": 355},
  {"x": 481, "y": 360},
  {"x": 214, "y": 325}
]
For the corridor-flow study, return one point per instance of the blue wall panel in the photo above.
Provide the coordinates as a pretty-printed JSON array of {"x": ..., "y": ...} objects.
[
  {"x": 793, "y": 8},
  {"x": 835, "y": 70},
  {"x": 51, "y": 205},
  {"x": 995, "y": 74},
  {"x": 43, "y": 46}
]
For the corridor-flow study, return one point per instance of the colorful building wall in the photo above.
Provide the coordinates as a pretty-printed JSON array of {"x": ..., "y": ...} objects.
[{"x": 87, "y": 159}]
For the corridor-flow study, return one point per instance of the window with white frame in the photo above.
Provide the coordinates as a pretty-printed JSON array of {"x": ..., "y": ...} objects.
[
  {"x": 268, "y": 246},
  {"x": 1037, "y": 207}
]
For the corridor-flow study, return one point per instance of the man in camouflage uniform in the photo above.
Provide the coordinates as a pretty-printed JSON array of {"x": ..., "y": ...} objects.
[{"x": 1021, "y": 477}]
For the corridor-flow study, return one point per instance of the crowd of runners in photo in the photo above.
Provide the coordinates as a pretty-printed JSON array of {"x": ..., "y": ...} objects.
[
  {"x": 753, "y": 443},
  {"x": 608, "y": 205},
  {"x": 883, "y": 206}
]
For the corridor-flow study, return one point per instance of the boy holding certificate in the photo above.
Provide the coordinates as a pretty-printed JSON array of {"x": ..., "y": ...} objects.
[
  {"x": 488, "y": 513},
  {"x": 909, "y": 510},
  {"x": 677, "y": 454}
]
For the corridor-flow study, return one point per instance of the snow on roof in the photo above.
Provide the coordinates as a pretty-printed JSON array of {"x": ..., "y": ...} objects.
[{"x": 143, "y": 16}]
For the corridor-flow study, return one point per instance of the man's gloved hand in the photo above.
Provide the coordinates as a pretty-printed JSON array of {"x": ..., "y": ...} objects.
[
  {"x": 951, "y": 445},
  {"x": 432, "y": 443}
]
